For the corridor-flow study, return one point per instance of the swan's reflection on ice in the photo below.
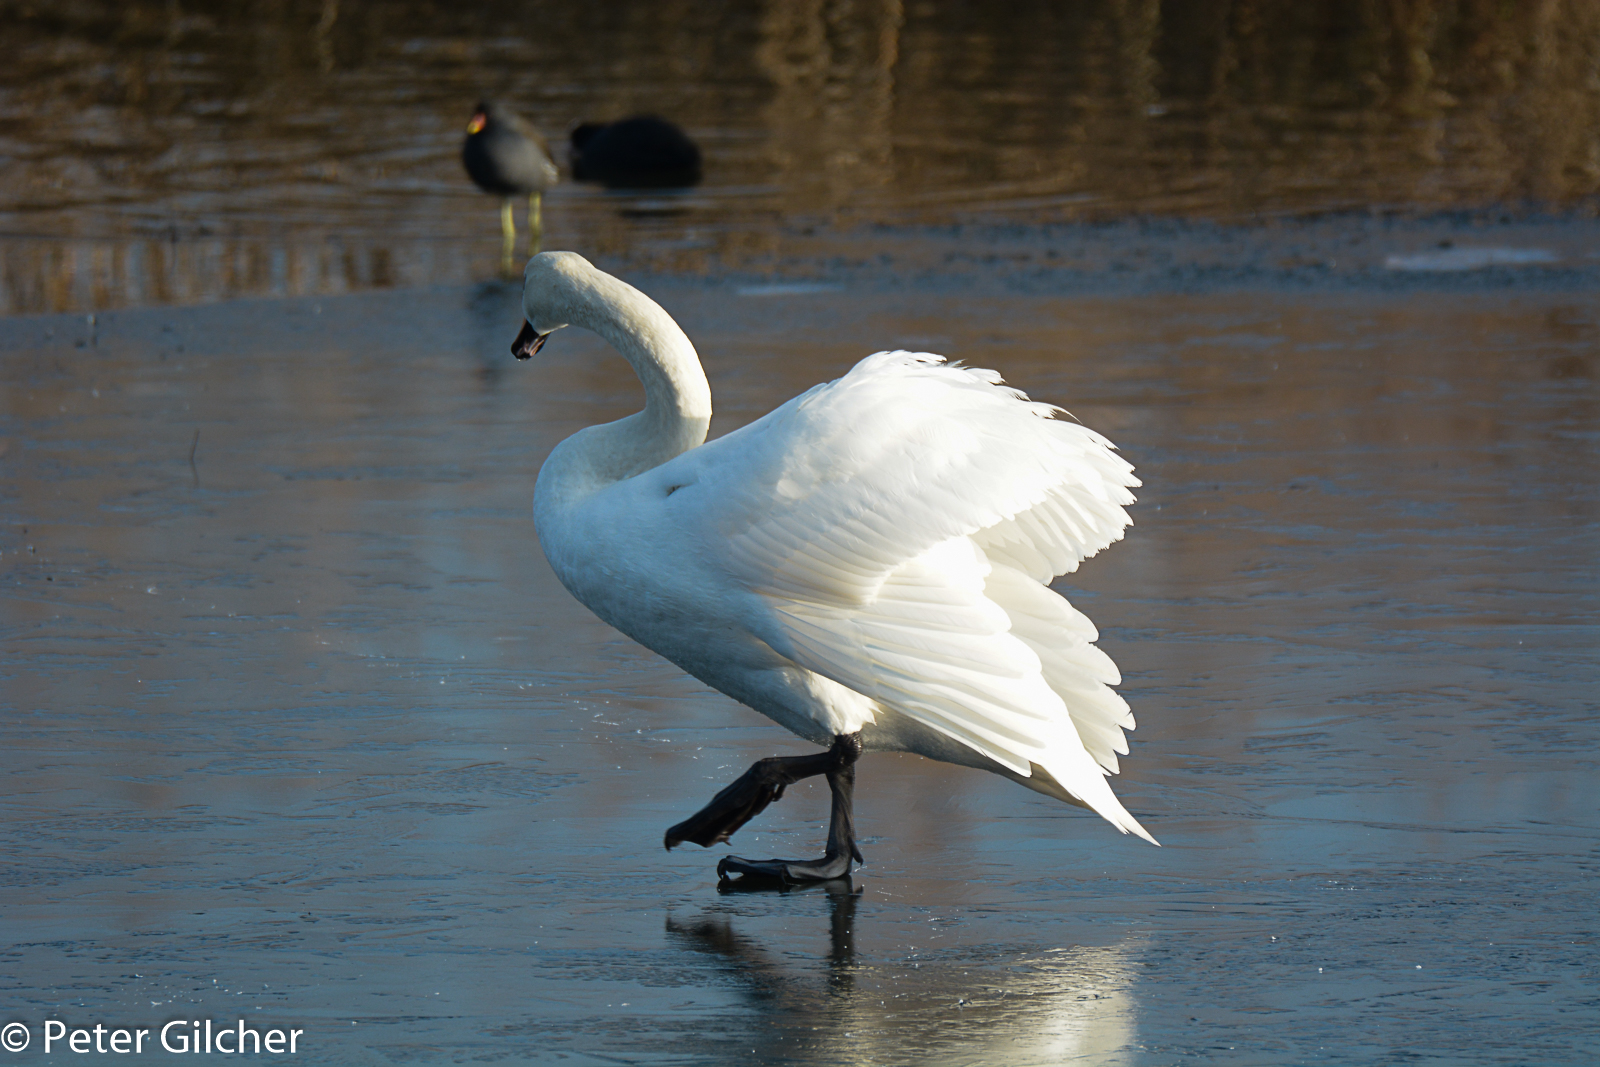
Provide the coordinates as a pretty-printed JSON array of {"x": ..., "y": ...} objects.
[{"x": 981, "y": 1006}]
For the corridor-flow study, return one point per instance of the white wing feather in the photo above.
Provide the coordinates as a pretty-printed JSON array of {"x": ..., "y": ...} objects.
[{"x": 901, "y": 522}]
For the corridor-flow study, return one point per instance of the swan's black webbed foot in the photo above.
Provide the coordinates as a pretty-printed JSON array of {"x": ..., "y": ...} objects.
[
  {"x": 789, "y": 872},
  {"x": 729, "y": 809},
  {"x": 763, "y": 783},
  {"x": 835, "y": 861},
  {"x": 752, "y": 883}
]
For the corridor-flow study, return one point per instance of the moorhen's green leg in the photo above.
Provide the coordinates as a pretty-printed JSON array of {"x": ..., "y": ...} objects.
[
  {"x": 535, "y": 221},
  {"x": 508, "y": 235},
  {"x": 763, "y": 783}
]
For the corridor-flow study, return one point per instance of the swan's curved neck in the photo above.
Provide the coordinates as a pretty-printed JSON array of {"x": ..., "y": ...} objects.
[{"x": 677, "y": 399}]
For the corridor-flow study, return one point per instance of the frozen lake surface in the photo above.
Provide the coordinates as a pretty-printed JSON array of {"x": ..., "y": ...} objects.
[{"x": 298, "y": 727}]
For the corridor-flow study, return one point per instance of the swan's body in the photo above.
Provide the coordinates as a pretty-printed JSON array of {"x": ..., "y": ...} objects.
[{"x": 868, "y": 561}]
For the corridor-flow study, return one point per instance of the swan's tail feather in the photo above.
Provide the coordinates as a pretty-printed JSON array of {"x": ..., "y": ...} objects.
[{"x": 1089, "y": 785}]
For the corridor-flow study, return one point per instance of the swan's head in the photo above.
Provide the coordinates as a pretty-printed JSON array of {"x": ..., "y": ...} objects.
[{"x": 552, "y": 283}]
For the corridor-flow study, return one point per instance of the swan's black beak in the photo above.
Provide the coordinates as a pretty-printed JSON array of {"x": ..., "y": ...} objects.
[{"x": 527, "y": 342}]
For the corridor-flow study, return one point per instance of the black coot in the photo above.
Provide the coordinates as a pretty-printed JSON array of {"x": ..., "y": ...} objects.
[
  {"x": 644, "y": 152},
  {"x": 506, "y": 156}
]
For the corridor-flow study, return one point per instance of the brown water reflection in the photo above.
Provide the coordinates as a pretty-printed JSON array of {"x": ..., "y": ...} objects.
[{"x": 161, "y": 152}]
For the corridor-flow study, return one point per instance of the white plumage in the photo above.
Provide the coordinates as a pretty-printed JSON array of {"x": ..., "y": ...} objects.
[{"x": 871, "y": 556}]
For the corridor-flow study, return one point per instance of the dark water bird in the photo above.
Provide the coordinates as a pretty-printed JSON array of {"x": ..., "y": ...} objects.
[
  {"x": 507, "y": 157},
  {"x": 643, "y": 152},
  {"x": 868, "y": 565}
]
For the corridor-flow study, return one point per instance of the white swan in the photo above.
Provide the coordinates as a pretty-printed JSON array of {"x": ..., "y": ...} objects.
[{"x": 866, "y": 565}]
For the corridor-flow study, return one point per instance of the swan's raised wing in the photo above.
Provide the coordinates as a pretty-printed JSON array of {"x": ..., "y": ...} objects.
[
  {"x": 830, "y": 492},
  {"x": 895, "y": 520}
]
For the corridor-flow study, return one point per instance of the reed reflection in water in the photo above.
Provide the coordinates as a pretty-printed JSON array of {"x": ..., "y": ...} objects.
[{"x": 312, "y": 147}]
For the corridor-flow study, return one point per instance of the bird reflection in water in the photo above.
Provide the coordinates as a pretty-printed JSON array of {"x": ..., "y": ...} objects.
[
  {"x": 971, "y": 1005},
  {"x": 490, "y": 305},
  {"x": 715, "y": 934}
]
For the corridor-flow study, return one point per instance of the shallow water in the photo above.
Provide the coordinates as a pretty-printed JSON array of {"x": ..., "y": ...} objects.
[
  {"x": 298, "y": 726},
  {"x": 161, "y": 152}
]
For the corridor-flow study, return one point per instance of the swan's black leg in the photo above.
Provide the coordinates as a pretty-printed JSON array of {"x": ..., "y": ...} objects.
[
  {"x": 763, "y": 783},
  {"x": 835, "y": 862}
]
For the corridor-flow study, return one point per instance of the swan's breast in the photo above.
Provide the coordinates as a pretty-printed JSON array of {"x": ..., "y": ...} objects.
[
  {"x": 631, "y": 554},
  {"x": 642, "y": 555}
]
